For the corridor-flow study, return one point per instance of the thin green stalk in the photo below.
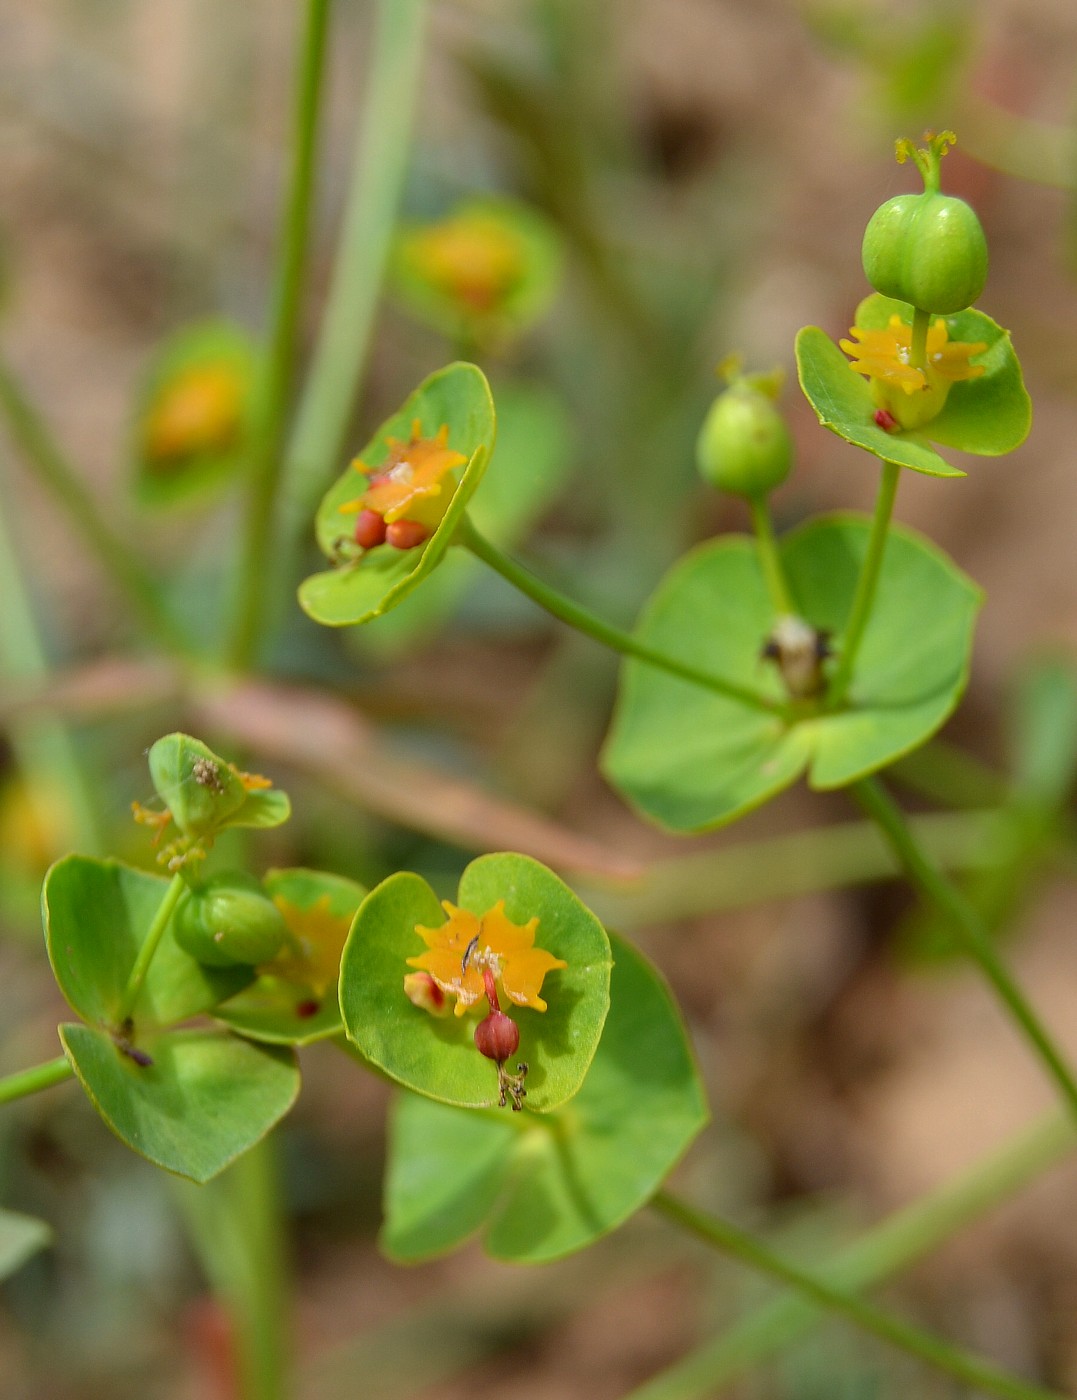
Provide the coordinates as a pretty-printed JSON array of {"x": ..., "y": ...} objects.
[
  {"x": 881, "y": 1252},
  {"x": 864, "y": 599},
  {"x": 721, "y": 1235},
  {"x": 46, "y": 458},
  {"x": 579, "y": 617},
  {"x": 267, "y": 447},
  {"x": 335, "y": 378},
  {"x": 45, "y": 751},
  {"x": 769, "y": 556},
  {"x": 32, "y": 1081},
  {"x": 149, "y": 947},
  {"x": 969, "y": 927},
  {"x": 921, "y": 322}
]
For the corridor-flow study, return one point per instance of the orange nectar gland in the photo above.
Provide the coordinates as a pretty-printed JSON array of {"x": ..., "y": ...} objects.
[
  {"x": 907, "y": 395},
  {"x": 199, "y": 410},
  {"x": 406, "y": 499},
  {"x": 462, "y": 951},
  {"x": 472, "y": 258}
]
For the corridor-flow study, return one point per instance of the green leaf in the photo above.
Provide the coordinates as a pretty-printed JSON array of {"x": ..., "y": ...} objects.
[
  {"x": 690, "y": 759},
  {"x": 519, "y": 297},
  {"x": 294, "y": 1001},
  {"x": 988, "y": 415},
  {"x": 1044, "y": 731},
  {"x": 437, "y": 1055},
  {"x": 205, "y": 793},
  {"x": 533, "y": 446},
  {"x": 204, "y": 1100},
  {"x": 457, "y": 397},
  {"x": 193, "y": 414},
  {"x": 542, "y": 1187},
  {"x": 96, "y": 915},
  {"x": 21, "y": 1237}
]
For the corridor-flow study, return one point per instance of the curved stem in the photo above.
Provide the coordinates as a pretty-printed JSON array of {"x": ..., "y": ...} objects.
[
  {"x": 966, "y": 923},
  {"x": 32, "y": 1081},
  {"x": 150, "y": 945},
  {"x": 268, "y": 431},
  {"x": 335, "y": 378},
  {"x": 721, "y": 1235},
  {"x": 45, "y": 456},
  {"x": 864, "y": 599},
  {"x": 579, "y": 617},
  {"x": 769, "y": 557}
]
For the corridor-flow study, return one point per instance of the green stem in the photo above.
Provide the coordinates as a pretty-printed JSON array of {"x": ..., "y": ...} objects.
[
  {"x": 880, "y": 1253},
  {"x": 335, "y": 378},
  {"x": 720, "y": 1234},
  {"x": 967, "y": 924},
  {"x": 44, "y": 455},
  {"x": 579, "y": 617},
  {"x": 32, "y": 1081},
  {"x": 864, "y": 599},
  {"x": 921, "y": 322},
  {"x": 273, "y": 400},
  {"x": 149, "y": 947},
  {"x": 769, "y": 557}
]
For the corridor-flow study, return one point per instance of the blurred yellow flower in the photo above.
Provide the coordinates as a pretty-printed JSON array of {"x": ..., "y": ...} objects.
[
  {"x": 472, "y": 257},
  {"x": 199, "y": 410},
  {"x": 318, "y": 936}
]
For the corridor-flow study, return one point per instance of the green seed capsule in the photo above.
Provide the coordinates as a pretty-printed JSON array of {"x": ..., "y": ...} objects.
[
  {"x": 926, "y": 249},
  {"x": 228, "y": 920},
  {"x": 744, "y": 446}
]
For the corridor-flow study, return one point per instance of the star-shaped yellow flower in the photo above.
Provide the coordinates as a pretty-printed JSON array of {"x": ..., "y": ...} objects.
[
  {"x": 461, "y": 948},
  {"x": 318, "y": 935},
  {"x": 410, "y": 481},
  {"x": 886, "y": 355}
]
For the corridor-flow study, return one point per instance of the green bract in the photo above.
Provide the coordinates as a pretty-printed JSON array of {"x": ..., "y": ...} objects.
[
  {"x": 928, "y": 250},
  {"x": 988, "y": 415},
  {"x": 692, "y": 759},
  {"x": 191, "y": 1101},
  {"x": 489, "y": 268},
  {"x": 294, "y": 1000},
  {"x": 21, "y": 1237},
  {"x": 541, "y": 1187},
  {"x": 193, "y": 414},
  {"x": 744, "y": 446},
  {"x": 227, "y": 920},
  {"x": 356, "y": 590},
  {"x": 437, "y": 1055},
  {"x": 205, "y": 793}
]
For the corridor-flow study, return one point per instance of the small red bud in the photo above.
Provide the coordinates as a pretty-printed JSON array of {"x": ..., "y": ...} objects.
[
  {"x": 497, "y": 1037},
  {"x": 370, "y": 529},
  {"x": 406, "y": 534},
  {"x": 885, "y": 419}
]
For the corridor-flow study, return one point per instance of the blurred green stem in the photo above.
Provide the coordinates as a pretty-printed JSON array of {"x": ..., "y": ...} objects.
[
  {"x": 32, "y": 1081},
  {"x": 966, "y": 923},
  {"x": 881, "y": 1252},
  {"x": 335, "y": 379},
  {"x": 236, "y": 1226},
  {"x": 275, "y": 389},
  {"x": 44, "y": 455},
  {"x": 579, "y": 617},
  {"x": 769, "y": 557},
  {"x": 864, "y": 598},
  {"x": 149, "y": 947}
]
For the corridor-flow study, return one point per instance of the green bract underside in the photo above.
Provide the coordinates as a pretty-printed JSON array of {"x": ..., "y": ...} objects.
[
  {"x": 457, "y": 397},
  {"x": 988, "y": 416},
  {"x": 691, "y": 759},
  {"x": 437, "y": 1055},
  {"x": 540, "y": 1187}
]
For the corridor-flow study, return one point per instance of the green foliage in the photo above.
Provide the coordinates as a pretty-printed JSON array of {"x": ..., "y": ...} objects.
[
  {"x": 203, "y": 1100},
  {"x": 436, "y": 1055},
  {"x": 691, "y": 759},
  {"x": 457, "y": 397},
  {"x": 541, "y": 1187},
  {"x": 989, "y": 415},
  {"x": 294, "y": 999},
  {"x": 21, "y": 1237},
  {"x": 205, "y": 794},
  {"x": 193, "y": 414}
]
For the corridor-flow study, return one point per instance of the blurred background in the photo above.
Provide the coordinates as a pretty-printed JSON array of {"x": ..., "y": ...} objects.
[{"x": 704, "y": 170}]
